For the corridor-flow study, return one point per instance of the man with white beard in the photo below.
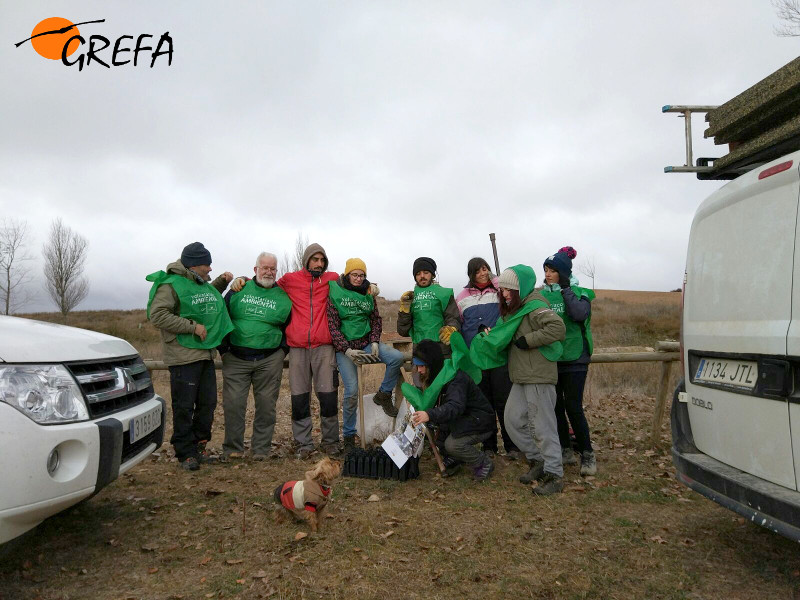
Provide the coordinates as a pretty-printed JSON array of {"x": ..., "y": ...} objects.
[{"x": 252, "y": 355}]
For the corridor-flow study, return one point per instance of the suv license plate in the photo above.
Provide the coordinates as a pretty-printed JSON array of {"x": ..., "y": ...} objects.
[
  {"x": 146, "y": 423},
  {"x": 736, "y": 373}
]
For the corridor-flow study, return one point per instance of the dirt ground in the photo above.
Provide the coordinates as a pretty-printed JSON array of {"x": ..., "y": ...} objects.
[{"x": 630, "y": 532}]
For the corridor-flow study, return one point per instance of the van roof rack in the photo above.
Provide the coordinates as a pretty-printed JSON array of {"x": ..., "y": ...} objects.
[{"x": 760, "y": 124}]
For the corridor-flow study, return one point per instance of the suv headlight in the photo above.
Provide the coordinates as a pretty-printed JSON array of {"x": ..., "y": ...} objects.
[{"x": 45, "y": 393}]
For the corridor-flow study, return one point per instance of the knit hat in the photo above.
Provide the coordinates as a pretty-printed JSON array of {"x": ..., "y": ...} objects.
[
  {"x": 194, "y": 255},
  {"x": 430, "y": 353},
  {"x": 561, "y": 261},
  {"x": 508, "y": 280},
  {"x": 423, "y": 263},
  {"x": 354, "y": 263}
]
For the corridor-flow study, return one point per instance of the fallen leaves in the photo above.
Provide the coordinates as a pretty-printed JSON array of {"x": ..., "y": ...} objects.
[
  {"x": 205, "y": 560},
  {"x": 300, "y": 535},
  {"x": 387, "y": 534},
  {"x": 234, "y": 561},
  {"x": 374, "y": 498}
]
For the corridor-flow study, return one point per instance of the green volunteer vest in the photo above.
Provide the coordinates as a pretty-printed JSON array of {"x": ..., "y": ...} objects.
[
  {"x": 354, "y": 310},
  {"x": 573, "y": 344},
  {"x": 427, "y": 311},
  {"x": 200, "y": 303},
  {"x": 488, "y": 351},
  {"x": 257, "y": 315},
  {"x": 459, "y": 361}
]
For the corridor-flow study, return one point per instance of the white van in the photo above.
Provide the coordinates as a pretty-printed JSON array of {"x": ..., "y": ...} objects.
[
  {"x": 736, "y": 416},
  {"x": 77, "y": 409}
]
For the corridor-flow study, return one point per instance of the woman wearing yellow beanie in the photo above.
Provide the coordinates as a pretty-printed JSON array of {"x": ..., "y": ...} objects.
[{"x": 355, "y": 327}]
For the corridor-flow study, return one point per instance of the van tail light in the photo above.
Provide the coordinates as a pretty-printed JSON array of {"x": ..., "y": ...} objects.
[
  {"x": 680, "y": 336},
  {"x": 779, "y": 168}
]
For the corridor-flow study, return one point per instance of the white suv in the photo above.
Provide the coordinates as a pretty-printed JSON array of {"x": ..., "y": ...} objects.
[{"x": 77, "y": 409}]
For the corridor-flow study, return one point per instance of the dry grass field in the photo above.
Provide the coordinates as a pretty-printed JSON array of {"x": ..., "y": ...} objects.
[{"x": 630, "y": 532}]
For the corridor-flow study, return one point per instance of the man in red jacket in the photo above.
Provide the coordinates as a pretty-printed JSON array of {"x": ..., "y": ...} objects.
[{"x": 311, "y": 354}]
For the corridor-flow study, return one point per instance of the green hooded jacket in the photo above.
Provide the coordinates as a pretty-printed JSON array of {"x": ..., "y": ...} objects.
[{"x": 492, "y": 350}]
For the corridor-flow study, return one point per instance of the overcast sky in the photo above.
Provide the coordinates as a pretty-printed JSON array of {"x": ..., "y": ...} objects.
[{"x": 384, "y": 130}]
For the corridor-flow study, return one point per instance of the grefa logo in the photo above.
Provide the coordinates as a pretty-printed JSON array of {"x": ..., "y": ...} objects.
[{"x": 58, "y": 38}]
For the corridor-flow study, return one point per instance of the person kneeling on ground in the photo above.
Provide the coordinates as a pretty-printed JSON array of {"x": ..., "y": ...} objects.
[
  {"x": 462, "y": 412},
  {"x": 355, "y": 327}
]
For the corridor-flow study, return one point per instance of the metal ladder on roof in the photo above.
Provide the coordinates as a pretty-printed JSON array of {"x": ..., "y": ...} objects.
[{"x": 685, "y": 111}]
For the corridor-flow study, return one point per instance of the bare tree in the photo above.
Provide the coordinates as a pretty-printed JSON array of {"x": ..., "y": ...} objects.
[
  {"x": 64, "y": 259},
  {"x": 587, "y": 267},
  {"x": 294, "y": 261},
  {"x": 788, "y": 12},
  {"x": 14, "y": 272}
]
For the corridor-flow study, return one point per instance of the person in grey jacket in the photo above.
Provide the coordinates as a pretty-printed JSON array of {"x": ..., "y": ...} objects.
[
  {"x": 530, "y": 410},
  {"x": 191, "y": 315}
]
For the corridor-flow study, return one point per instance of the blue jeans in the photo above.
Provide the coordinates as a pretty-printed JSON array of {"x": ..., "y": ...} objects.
[{"x": 393, "y": 359}]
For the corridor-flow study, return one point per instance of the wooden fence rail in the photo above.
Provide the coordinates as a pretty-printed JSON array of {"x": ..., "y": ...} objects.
[{"x": 665, "y": 352}]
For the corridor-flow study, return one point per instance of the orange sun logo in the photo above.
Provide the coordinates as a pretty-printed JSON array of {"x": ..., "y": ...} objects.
[{"x": 57, "y": 31}]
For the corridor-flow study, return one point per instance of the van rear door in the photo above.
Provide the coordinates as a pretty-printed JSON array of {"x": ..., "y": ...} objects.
[
  {"x": 737, "y": 313},
  {"x": 793, "y": 339}
]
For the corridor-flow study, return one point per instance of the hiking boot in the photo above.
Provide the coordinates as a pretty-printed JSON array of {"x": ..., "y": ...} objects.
[
  {"x": 451, "y": 466},
  {"x": 204, "y": 456},
  {"x": 259, "y": 456},
  {"x": 349, "y": 443},
  {"x": 190, "y": 464},
  {"x": 332, "y": 449},
  {"x": 536, "y": 471},
  {"x": 514, "y": 454},
  {"x": 229, "y": 456},
  {"x": 483, "y": 469},
  {"x": 588, "y": 463},
  {"x": 304, "y": 452},
  {"x": 549, "y": 484},
  {"x": 568, "y": 457},
  {"x": 384, "y": 400}
]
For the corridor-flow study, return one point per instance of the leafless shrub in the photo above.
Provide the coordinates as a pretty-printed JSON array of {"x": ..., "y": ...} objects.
[{"x": 294, "y": 262}]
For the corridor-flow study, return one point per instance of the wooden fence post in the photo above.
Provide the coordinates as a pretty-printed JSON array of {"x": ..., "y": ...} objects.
[
  {"x": 661, "y": 400},
  {"x": 359, "y": 370}
]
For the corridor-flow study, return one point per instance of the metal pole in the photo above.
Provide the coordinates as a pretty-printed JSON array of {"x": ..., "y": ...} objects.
[
  {"x": 688, "y": 116},
  {"x": 494, "y": 251}
]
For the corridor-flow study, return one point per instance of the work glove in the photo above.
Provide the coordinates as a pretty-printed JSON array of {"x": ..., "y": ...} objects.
[
  {"x": 357, "y": 356},
  {"x": 238, "y": 284},
  {"x": 563, "y": 279},
  {"x": 405, "y": 302},
  {"x": 374, "y": 351},
  {"x": 522, "y": 343},
  {"x": 445, "y": 333},
  {"x": 360, "y": 357},
  {"x": 374, "y": 290}
]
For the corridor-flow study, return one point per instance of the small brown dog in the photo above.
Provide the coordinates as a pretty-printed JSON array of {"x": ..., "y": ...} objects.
[{"x": 308, "y": 499}]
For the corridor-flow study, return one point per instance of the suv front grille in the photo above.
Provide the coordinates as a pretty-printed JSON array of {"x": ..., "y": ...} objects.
[{"x": 113, "y": 385}]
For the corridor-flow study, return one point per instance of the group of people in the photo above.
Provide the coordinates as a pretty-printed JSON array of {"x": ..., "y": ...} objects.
[{"x": 527, "y": 349}]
